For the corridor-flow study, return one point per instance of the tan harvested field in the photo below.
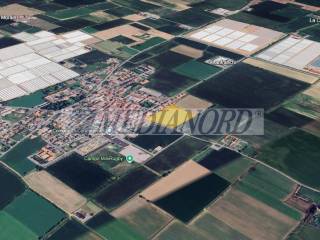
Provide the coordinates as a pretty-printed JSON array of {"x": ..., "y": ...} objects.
[
  {"x": 251, "y": 217},
  {"x": 134, "y": 17},
  {"x": 187, "y": 51},
  {"x": 187, "y": 173},
  {"x": 18, "y": 10},
  {"x": 130, "y": 32},
  {"x": 282, "y": 70},
  {"x": 192, "y": 102},
  {"x": 55, "y": 191},
  {"x": 104, "y": 15},
  {"x": 314, "y": 91},
  {"x": 144, "y": 217},
  {"x": 40, "y": 23}
]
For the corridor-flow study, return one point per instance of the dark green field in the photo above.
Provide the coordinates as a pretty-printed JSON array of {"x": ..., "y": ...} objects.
[
  {"x": 245, "y": 86},
  {"x": 187, "y": 202},
  {"x": 276, "y": 16},
  {"x": 112, "y": 196},
  {"x": 81, "y": 175},
  {"x": 17, "y": 159},
  {"x": 305, "y": 232},
  {"x": 213, "y": 4},
  {"x": 72, "y": 230},
  {"x": 297, "y": 155},
  {"x": 176, "y": 154},
  {"x": 10, "y": 186}
]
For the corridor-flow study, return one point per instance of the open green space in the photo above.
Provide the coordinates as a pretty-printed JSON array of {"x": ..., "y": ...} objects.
[
  {"x": 148, "y": 43},
  {"x": 297, "y": 155},
  {"x": 10, "y": 186},
  {"x": 13, "y": 229},
  {"x": 34, "y": 212},
  {"x": 111, "y": 228},
  {"x": 188, "y": 201},
  {"x": 210, "y": 226},
  {"x": 17, "y": 159},
  {"x": 70, "y": 13},
  {"x": 196, "y": 70}
]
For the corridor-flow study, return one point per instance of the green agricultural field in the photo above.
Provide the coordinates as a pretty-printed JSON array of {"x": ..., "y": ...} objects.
[
  {"x": 177, "y": 230},
  {"x": 313, "y": 32},
  {"x": 13, "y": 229},
  {"x": 111, "y": 228},
  {"x": 213, "y": 4},
  {"x": 10, "y": 186},
  {"x": 305, "y": 105},
  {"x": 310, "y": 2},
  {"x": 210, "y": 226},
  {"x": 309, "y": 194},
  {"x": 233, "y": 170},
  {"x": 28, "y": 101},
  {"x": 196, "y": 70},
  {"x": 305, "y": 232},
  {"x": 72, "y": 230},
  {"x": 70, "y": 13},
  {"x": 34, "y": 212},
  {"x": 297, "y": 155},
  {"x": 17, "y": 159}
]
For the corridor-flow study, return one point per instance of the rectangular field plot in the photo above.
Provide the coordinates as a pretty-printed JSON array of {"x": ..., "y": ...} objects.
[
  {"x": 181, "y": 151},
  {"x": 10, "y": 186},
  {"x": 236, "y": 36},
  {"x": 55, "y": 191},
  {"x": 112, "y": 196},
  {"x": 17, "y": 159},
  {"x": 295, "y": 52},
  {"x": 111, "y": 228},
  {"x": 34, "y": 212},
  {"x": 305, "y": 232},
  {"x": 83, "y": 176},
  {"x": 142, "y": 216},
  {"x": 297, "y": 155},
  {"x": 212, "y": 228},
  {"x": 248, "y": 86},
  {"x": 188, "y": 201},
  {"x": 74, "y": 231},
  {"x": 246, "y": 215}
]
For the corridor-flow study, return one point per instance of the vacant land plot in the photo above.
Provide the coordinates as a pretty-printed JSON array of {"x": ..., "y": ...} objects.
[
  {"x": 236, "y": 36},
  {"x": 111, "y": 228},
  {"x": 10, "y": 186},
  {"x": 277, "y": 16},
  {"x": 13, "y": 229},
  {"x": 112, "y": 196},
  {"x": 278, "y": 69},
  {"x": 245, "y": 215},
  {"x": 176, "y": 154},
  {"x": 55, "y": 191},
  {"x": 248, "y": 86},
  {"x": 212, "y": 228},
  {"x": 182, "y": 176},
  {"x": 83, "y": 176},
  {"x": 297, "y": 155},
  {"x": 17, "y": 157},
  {"x": 196, "y": 70},
  {"x": 34, "y": 212},
  {"x": 188, "y": 201},
  {"x": 142, "y": 216},
  {"x": 74, "y": 231}
]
